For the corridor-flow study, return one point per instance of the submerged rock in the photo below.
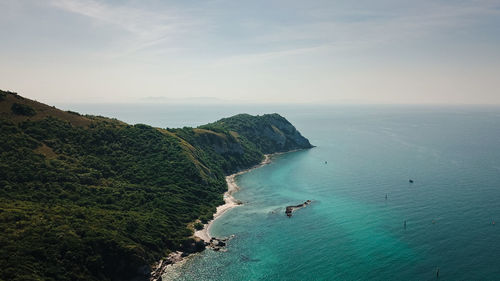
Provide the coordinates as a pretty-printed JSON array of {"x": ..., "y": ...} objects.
[
  {"x": 218, "y": 244},
  {"x": 289, "y": 209}
]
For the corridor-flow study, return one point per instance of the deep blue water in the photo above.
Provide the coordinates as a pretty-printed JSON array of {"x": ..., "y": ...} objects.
[{"x": 351, "y": 232}]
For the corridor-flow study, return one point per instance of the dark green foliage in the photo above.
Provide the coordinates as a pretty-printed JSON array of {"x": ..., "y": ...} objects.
[
  {"x": 73, "y": 112},
  {"x": 269, "y": 133},
  {"x": 97, "y": 203},
  {"x": 22, "y": 109},
  {"x": 3, "y": 95},
  {"x": 113, "y": 199},
  {"x": 223, "y": 150},
  {"x": 198, "y": 226}
]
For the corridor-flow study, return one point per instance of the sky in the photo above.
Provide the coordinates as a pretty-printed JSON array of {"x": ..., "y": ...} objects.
[{"x": 259, "y": 51}]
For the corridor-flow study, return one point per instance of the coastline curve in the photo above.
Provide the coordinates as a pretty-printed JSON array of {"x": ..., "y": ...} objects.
[{"x": 230, "y": 201}]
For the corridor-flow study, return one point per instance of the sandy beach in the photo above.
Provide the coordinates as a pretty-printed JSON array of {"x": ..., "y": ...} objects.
[
  {"x": 168, "y": 271},
  {"x": 230, "y": 201}
]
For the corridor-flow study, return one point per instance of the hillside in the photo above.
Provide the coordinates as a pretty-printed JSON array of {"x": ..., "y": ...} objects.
[{"x": 93, "y": 198}]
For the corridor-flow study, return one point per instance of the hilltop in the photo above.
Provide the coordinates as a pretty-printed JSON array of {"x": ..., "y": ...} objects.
[{"x": 93, "y": 198}]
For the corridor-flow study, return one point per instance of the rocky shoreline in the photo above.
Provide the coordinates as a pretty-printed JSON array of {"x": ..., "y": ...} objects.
[
  {"x": 196, "y": 246},
  {"x": 201, "y": 238},
  {"x": 230, "y": 201}
]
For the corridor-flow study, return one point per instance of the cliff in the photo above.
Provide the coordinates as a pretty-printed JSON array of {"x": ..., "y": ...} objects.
[{"x": 91, "y": 198}]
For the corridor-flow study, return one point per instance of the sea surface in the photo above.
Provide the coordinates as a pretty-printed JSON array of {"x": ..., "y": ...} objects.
[{"x": 351, "y": 231}]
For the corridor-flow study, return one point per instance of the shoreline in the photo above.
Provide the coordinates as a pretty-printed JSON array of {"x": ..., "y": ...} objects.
[
  {"x": 230, "y": 201},
  {"x": 176, "y": 259}
]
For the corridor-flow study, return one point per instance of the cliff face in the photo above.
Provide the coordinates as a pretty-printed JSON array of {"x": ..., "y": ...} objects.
[{"x": 93, "y": 198}]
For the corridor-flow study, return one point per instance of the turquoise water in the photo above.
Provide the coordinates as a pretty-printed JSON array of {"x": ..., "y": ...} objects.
[{"x": 350, "y": 231}]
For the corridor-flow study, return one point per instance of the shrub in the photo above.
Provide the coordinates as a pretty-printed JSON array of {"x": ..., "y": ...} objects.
[
  {"x": 198, "y": 226},
  {"x": 72, "y": 112},
  {"x": 23, "y": 109}
]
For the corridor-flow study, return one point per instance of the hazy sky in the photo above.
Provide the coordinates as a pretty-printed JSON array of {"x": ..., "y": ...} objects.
[{"x": 365, "y": 51}]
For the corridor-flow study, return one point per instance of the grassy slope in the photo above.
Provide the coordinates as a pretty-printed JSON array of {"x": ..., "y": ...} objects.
[{"x": 92, "y": 198}]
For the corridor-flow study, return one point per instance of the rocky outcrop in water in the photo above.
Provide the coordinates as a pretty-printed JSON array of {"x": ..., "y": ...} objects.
[
  {"x": 160, "y": 268},
  {"x": 290, "y": 209},
  {"x": 188, "y": 247},
  {"x": 218, "y": 244}
]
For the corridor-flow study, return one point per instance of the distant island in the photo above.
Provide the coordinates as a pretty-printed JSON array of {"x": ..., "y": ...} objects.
[{"x": 92, "y": 198}]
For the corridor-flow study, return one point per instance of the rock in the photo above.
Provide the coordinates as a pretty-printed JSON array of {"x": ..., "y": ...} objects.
[
  {"x": 193, "y": 246},
  {"x": 161, "y": 266},
  {"x": 218, "y": 244},
  {"x": 289, "y": 209}
]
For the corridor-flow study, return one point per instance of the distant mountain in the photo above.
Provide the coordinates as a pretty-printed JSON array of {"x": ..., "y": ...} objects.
[
  {"x": 190, "y": 100},
  {"x": 92, "y": 198}
]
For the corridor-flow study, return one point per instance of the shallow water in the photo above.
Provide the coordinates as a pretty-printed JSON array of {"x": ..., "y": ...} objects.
[{"x": 350, "y": 231}]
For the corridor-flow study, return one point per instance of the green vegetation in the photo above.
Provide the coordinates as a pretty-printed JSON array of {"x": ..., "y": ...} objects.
[
  {"x": 198, "y": 226},
  {"x": 92, "y": 198},
  {"x": 72, "y": 112},
  {"x": 269, "y": 133},
  {"x": 22, "y": 109}
]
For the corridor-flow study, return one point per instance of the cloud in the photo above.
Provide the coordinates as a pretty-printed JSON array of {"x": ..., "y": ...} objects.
[
  {"x": 147, "y": 27},
  {"x": 343, "y": 29},
  {"x": 425, "y": 17},
  {"x": 252, "y": 37}
]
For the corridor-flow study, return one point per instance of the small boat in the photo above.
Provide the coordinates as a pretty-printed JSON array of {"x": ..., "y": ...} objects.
[{"x": 410, "y": 181}]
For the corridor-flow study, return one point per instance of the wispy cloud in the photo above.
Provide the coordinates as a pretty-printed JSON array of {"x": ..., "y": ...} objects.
[
  {"x": 147, "y": 27},
  {"x": 426, "y": 17},
  {"x": 259, "y": 49},
  {"x": 358, "y": 29},
  {"x": 328, "y": 27},
  {"x": 260, "y": 57}
]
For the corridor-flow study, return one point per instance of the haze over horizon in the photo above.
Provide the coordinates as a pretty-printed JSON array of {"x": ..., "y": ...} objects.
[{"x": 382, "y": 52}]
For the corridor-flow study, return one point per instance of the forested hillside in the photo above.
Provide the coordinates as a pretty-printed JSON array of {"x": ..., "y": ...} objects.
[{"x": 93, "y": 198}]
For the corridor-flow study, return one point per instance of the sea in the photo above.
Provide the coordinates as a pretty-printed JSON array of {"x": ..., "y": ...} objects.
[{"x": 366, "y": 220}]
